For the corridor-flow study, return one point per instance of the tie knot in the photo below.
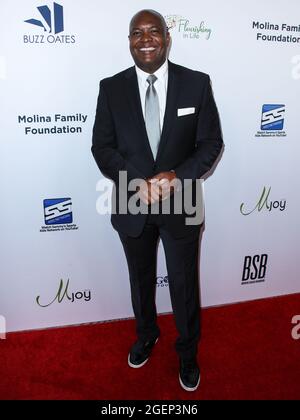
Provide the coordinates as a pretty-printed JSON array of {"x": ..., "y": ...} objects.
[{"x": 151, "y": 79}]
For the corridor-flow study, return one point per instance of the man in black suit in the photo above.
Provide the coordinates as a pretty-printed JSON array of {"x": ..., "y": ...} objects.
[{"x": 157, "y": 123}]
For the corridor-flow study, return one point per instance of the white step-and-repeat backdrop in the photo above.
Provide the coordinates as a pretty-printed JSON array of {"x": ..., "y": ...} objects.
[{"x": 61, "y": 262}]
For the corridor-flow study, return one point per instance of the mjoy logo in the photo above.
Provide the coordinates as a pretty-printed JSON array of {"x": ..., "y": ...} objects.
[
  {"x": 51, "y": 21},
  {"x": 64, "y": 294},
  {"x": 264, "y": 203}
]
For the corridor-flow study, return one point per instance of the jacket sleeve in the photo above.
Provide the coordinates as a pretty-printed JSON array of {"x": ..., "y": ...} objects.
[
  {"x": 208, "y": 142},
  {"x": 104, "y": 147}
]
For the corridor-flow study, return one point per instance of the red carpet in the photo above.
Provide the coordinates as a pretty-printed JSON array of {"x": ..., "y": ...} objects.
[{"x": 246, "y": 352}]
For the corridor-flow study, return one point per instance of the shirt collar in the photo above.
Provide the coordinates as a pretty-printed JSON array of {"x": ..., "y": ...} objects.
[{"x": 160, "y": 73}]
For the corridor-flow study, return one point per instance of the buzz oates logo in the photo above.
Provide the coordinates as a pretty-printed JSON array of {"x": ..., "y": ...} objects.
[
  {"x": 64, "y": 294},
  {"x": 58, "y": 215},
  {"x": 188, "y": 29},
  {"x": 255, "y": 268},
  {"x": 272, "y": 121},
  {"x": 49, "y": 21},
  {"x": 265, "y": 203}
]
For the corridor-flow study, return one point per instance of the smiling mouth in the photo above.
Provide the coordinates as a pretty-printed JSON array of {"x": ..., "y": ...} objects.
[{"x": 145, "y": 50}]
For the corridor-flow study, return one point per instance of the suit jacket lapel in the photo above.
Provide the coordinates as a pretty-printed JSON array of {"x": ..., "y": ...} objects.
[
  {"x": 134, "y": 98},
  {"x": 172, "y": 93}
]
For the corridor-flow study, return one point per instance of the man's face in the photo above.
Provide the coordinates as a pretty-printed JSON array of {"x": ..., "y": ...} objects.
[{"x": 149, "y": 41}]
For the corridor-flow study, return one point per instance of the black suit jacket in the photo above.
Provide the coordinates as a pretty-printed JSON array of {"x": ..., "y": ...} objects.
[{"x": 189, "y": 144}]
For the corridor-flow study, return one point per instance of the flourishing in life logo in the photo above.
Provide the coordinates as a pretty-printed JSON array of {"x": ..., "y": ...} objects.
[{"x": 187, "y": 29}]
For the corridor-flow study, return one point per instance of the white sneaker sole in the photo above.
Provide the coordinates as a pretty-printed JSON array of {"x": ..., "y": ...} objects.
[
  {"x": 187, "y": 388},
  {"x": 136, "y": 366},
  {"x": 141, "y": 364}
]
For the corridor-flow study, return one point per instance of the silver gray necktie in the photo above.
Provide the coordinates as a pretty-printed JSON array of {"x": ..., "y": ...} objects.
[{"x": 152, "y": 119}]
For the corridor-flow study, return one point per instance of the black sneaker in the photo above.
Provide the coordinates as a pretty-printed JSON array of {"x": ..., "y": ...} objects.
[
  {"x": 140, "y": 353},
  {"x": 189, "y": 374}
]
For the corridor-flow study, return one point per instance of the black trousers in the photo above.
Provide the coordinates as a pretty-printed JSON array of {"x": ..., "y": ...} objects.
[{"x": 182, "y": 266}]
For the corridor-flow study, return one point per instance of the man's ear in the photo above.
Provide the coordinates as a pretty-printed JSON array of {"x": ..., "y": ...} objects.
[
  {"x": 168, "y": 37},
  {"x": 169, "y": 42}
]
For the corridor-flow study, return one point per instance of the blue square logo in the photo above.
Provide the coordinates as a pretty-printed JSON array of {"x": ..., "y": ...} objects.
[
  {"x": 272, "y": 118},
  {"x": 58, "y": 211}
]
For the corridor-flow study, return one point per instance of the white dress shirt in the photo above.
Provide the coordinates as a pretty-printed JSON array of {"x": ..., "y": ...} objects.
[{"x": 161, "y": 86}]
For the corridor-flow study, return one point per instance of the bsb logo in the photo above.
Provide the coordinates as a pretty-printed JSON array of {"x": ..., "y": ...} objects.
[
  {"x": 272, "y": 118},
  {"x": 51, "y": 21},
  {"x": 254, "y": 270},
  {"x": 58, "y": 211}
]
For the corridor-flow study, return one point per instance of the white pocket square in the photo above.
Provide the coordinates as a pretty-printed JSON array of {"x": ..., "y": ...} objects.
[{"x": 185, "y": 111}]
